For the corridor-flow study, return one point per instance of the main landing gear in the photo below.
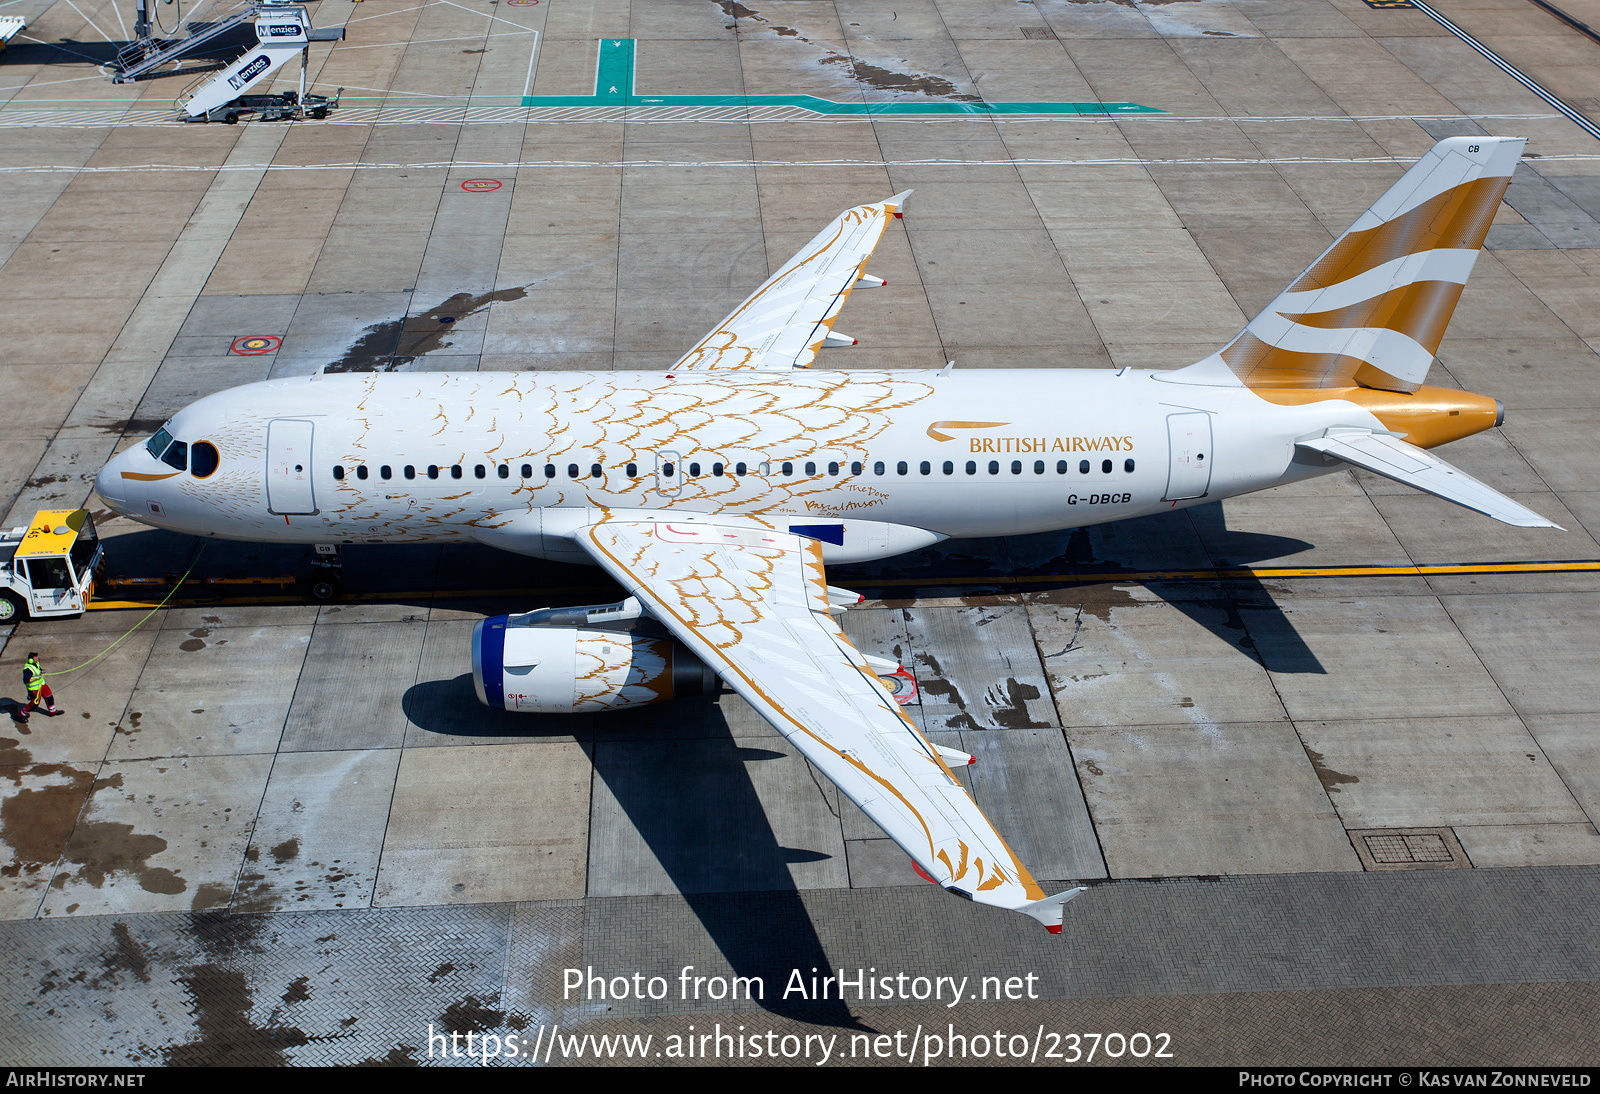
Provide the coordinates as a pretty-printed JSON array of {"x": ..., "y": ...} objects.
[{"x": 327, "y": 573}]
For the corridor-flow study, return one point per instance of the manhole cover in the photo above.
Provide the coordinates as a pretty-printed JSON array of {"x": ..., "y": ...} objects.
[
  {"x": 1409, "y": 849},
  {"x": 1038, "y": 32}
]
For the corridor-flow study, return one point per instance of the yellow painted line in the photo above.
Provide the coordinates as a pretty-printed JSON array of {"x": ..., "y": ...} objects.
[
  {"x": 1579, "y": 566},
  {"x": 349, "y": 598},
  {"x": 1571, "y": 567}
]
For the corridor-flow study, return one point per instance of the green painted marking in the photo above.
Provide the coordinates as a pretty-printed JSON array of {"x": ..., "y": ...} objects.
[{"x": 614, "y": 78}]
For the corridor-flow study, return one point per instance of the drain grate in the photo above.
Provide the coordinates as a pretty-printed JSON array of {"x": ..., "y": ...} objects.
[
  {"x": 1409, "y": 849},
  {"x": 1388, "y": 850},
  {"x": 1038, "y": 32}
]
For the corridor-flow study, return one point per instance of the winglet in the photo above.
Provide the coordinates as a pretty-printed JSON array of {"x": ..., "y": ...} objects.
[
  {"x": 897, "y": 204},
  {"x": 1048, "y": 910}
]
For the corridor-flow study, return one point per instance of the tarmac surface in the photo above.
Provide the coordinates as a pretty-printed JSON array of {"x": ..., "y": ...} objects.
[{"x": 1328, "y": 756}]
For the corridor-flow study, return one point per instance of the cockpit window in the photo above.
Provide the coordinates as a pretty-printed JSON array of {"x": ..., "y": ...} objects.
[
  {"x": 177, "y": 455},
  {"x": 158, "y": 444}
]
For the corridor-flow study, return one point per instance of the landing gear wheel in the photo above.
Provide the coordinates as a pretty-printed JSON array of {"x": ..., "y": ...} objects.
[
  {"x": 12, "y": 610},
  {"x": 323, "y": 589}
]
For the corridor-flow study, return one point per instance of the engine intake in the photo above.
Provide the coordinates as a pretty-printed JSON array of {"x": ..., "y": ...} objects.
[{"x": 540, "y": 662}]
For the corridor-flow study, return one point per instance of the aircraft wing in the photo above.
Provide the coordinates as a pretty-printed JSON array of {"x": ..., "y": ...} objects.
[
  {"x": 784, "y": 322},
  {"x": 1395, "y": 459},
  {"x": 753, "y": 605}
]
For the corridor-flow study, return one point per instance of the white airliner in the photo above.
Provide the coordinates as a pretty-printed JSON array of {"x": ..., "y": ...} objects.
[{"x": 717, "y": 492}]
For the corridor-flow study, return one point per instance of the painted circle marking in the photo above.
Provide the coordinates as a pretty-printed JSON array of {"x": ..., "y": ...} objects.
[
  {"x": 521, "y": 3},
  {"x": 254, "y": 345},
  {"x": 480, "y": 186}
]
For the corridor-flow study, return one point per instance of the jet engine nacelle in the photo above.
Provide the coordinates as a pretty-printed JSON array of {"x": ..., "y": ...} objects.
[{"x": 536, "y": 667}]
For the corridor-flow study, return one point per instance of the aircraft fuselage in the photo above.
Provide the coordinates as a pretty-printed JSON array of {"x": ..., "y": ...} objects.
[{"x": 878, "y": 462}]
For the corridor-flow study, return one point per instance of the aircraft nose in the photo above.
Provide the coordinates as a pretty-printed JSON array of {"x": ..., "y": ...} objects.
[{"x": 108, "y": 484}]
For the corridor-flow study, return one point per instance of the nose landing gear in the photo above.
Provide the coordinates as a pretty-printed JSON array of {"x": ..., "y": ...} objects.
[{"x": 327, "y": 573}]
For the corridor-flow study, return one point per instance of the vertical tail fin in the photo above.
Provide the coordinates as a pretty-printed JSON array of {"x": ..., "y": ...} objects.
[{"x": 1372, "y": 309}]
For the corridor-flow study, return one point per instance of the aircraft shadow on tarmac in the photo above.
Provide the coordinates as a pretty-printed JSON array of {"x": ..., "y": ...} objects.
[
  {"x": 683, "y": 781},
  {"x": 1068, "y": 568},
  {"x": 69, "y": 51}
]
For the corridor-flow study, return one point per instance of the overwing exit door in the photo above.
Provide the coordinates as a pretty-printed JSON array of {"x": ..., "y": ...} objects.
[{"x": 289, "y": 487}]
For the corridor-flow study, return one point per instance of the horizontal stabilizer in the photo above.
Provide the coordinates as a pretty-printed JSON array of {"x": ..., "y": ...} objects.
[{"x": 1395, "y": 459}]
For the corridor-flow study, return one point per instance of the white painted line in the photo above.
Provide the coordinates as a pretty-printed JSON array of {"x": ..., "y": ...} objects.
[
  {"x": 478, "y": 165},
  {"x": 533, "y": 59},
  {"x": 486, "y": 15},
  {"x": 90, "y": 21},
  {"x": 384, "y": 15}
]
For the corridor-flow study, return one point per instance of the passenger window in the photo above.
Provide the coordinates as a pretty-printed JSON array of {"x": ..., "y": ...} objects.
[
  {"x": 433, "y": 471},
  {"x": 1083, "y": 467},
  {"x": 788, "y": 468},
  {"x": 1127, "y": 465},
  {"x": 766, "y": 467},
  {"x": 572, "y": 470},
  {"x": 527, "y": 470},
  {"x": 949, "y": 468},
  {"x": 633, "y": 471},
  {"x": 833, "y": 469},
  {"x": 455, "y": 471},
  {"x": 1038, "y": 467},
  {"x": 741, "y": 469},
  {"x": 667, "y": 469},
  {"x": 505, "y": 471},
  {"x": 877, "y": 468},
  {"x": 176, "y": 455},
  {"x": 926, "y": 468},
  {"x": 994, "y": 467},
  {"x": 972, "y": 467},
  {"x": 361, "y": 472},
  {"x": 478, "y": 471},
  {"x": 716, "y": 469},
  {"x": 338, "y": 473},
  {"x": 385, "y": 473},
  {"x": 811, "y": 467},
  {"x": 596, "y": 471},
  {"x": 694, "y": 471},
  {"x": 1105, "y": 467},
  {"x": 411, "y": 472},
  {"x": 549, "y": 470},
  {"x": 203, "y": 460},
  {"x": 1016, "y": 467},
  {"x": 1061, "y": 467},
  {"x": 855, "y": 467},
  {"x": 901, "y": 468}
]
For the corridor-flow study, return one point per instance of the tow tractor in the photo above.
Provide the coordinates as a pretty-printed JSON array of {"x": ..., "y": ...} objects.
[{"x": 49, "y": 567}]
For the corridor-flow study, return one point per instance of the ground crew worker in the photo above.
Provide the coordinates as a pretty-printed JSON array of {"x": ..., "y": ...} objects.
[{"x": 38, "y": 690}]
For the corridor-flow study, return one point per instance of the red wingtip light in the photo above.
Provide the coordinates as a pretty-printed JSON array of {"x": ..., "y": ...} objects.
[
  {"x": 923, "y": 874},
  {"x": 972, "y": 761},
  {"x": 899, "y": 216},
  {"x": 1054, "y": 930}
]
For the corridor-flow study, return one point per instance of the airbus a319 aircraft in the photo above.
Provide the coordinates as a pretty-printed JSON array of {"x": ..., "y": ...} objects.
[{"x": 718, "y": 491}]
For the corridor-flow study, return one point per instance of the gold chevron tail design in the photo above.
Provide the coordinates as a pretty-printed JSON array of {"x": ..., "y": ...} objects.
[{"x": 1371, "y": 310}]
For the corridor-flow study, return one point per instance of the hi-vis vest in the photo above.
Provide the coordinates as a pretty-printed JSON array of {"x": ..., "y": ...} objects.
[{"x": 32, "y": 676}]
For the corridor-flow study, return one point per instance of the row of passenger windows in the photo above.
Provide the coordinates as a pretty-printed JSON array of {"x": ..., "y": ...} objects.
[{"x": 786, "y": 469}]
